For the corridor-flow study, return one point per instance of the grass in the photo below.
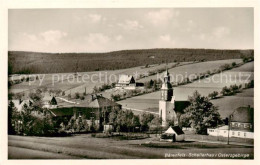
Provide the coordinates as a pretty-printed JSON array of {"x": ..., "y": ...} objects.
[
  {"x": 122, "y": 136},
  {"x": 227, "y": 104},
  {"x": 188, "y": 145},
  {"x": 80, "y": 86},
  {"x": 85, "y": 146}
]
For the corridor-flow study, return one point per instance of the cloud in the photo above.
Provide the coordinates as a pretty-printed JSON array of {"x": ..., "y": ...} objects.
[
  {"x": 166, "y": 41},
  {"x": 95, "y": 17},
  {"x": 166, "y": 37},
  {"x": 130, "y": 25},
  {"x": 52, "y": 36},
  {"x": 118, "y": 38},
  {"x": 220, "y": 32},
  {"x": 162, "y": 16},
  {"x": 99, "y": 38}
]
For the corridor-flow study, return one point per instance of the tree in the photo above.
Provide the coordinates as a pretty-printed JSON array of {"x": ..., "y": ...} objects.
[
  {"x": 36, "y": 96},
  {"x": 225, "y": 91},
  {"x": 95, "y": 89},
  {"x": 69, "y": 96},
  {"x": 155, "y": 124},
  {"x": 145, "y": 119},
  {"x": 77, "y": 96},
  {"x": 201, "y": 113},
  {"x": 115, "y": 97},
  {"x": 213, "y": 95},
  {"x": 12, "y": 117}
]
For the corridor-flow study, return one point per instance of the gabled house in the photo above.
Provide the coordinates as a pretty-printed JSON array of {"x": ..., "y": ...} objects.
[
  {"x": 49, "y": 102},
  {"x": 173, "y": 134},
  {"x": 126, "y": 82}
]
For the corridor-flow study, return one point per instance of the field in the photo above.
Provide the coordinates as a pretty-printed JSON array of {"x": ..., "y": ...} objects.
[
  {"x": 70, "y": 83},
  {"x": 149, "y": 102},
  {"x": 87, "y": 147},
  {"x": 77, "y": 83}
]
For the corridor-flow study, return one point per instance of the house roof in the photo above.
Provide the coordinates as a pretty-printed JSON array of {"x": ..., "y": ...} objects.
[
  {"x": 243, "y": 115},
  {"x": 125, "y": 79},
  {"x": 62, "y": 112},
  {"x": 101, "y": 101},
  {"x": 181, "y": 105},
  {"x": 47, "y": 97},
  {"x": 174, "y": 129}
]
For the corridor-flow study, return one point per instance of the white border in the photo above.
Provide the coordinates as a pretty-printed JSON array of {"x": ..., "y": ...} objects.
[{"x": 15, "y": 4}]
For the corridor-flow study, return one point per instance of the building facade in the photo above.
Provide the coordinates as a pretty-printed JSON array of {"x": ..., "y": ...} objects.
[{"x": 241, "y": 125}]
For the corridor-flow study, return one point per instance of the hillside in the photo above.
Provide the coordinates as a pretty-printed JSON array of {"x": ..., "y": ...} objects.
[{"x": 33, "y": 62}]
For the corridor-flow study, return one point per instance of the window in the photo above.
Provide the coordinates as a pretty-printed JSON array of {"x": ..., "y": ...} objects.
[
  {"x": 238, "y": 133},
  {"x": 245, "y": 134},
  {"x": 233, "y": 133}
]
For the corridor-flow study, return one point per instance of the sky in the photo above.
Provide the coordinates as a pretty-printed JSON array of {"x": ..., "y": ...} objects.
[{"x": 105, "y": 30}]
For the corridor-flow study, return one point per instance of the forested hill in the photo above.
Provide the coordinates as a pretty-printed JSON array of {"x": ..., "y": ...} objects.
[{"x": 32, "y": 62}]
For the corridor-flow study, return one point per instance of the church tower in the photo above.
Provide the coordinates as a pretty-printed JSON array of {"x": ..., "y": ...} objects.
[{"x": 167, "y": 101}]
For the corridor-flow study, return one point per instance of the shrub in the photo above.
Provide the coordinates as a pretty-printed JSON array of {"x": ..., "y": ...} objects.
[
  {"x": 213, "y": 95},
  {"x": 77, "y": 96}
]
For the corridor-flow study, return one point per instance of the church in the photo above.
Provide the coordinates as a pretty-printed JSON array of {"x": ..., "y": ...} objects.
[{"x": 170, "y": 110}]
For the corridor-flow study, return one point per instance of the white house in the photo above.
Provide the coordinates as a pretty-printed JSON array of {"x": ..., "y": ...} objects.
[
  {"x": 49, "y": 102},
  {"x": 173, "y": 134},
  {"x": 126, "y": 82},
  {"x": 241, "y": 125}
]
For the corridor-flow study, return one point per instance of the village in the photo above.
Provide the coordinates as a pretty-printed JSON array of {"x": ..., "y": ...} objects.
[
  {"x": 53, "y": 114},
  {"x": 131, "y": 83}
]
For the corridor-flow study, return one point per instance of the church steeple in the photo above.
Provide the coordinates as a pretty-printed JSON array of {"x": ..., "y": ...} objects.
[{"x": 166, "y": 90}]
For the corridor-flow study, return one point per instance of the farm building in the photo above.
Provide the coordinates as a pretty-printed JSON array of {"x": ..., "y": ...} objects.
[
  {"x": 173, "y": 134},
  {"x": 49, "y": 102},
  {"x": 126, "y": 82},
  {"x": 241, "y": 125}
]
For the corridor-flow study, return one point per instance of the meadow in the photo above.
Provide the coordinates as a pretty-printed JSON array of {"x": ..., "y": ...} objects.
[
  {"x": 86, "y": 147},
  {"x": 227, "y": 104},
  {"x": 71, "y": 83}
]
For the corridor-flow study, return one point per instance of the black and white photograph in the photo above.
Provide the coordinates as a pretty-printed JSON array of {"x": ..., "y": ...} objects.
[{"x": 130, "y": 83}]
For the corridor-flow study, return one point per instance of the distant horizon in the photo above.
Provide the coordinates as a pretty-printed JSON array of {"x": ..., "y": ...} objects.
[{"x": 120, "y": 50}]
